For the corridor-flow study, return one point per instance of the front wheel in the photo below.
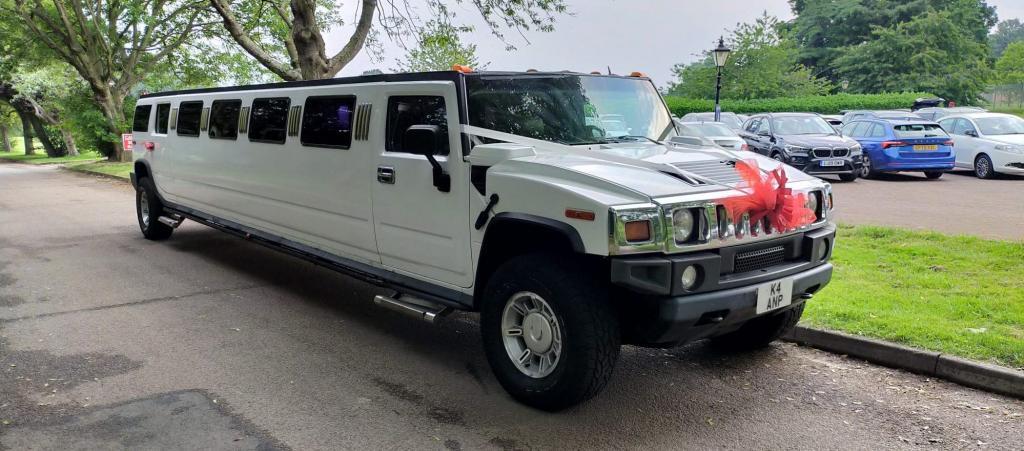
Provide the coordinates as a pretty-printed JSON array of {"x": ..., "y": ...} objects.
[
  {"x": 549, "y": 331},
  {"x": 148, "y": 209},
  {"x": 983, "y": 167}
]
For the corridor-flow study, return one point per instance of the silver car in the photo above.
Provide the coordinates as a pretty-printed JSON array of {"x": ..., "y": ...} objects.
[{"x": 716, "y": 132}]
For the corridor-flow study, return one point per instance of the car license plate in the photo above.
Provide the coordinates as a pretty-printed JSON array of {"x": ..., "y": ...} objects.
[
  {"x": 831, "y": 163},
  {"x": 774, "y": 295},
  {"x": 925, "y": 147}
]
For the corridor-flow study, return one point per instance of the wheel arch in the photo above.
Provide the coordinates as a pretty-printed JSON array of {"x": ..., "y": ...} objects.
[
  {"x": 513, "y": 234},
  {"x": 139, "y": 170}
]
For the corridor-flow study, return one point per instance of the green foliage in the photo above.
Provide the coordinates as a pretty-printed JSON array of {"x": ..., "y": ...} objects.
[
  {"x": 1007, "y": 32},
  {"x": 829, "y": 104},
  {"x": 933, "y": 52},
  {"x": 1010, "y": 67},
  {"x": 439, "y": 47},
  {"x": 763, "y": 64}
]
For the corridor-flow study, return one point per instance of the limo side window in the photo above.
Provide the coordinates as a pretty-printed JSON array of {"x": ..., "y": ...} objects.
[
  {"x": 327, "y": 121},
  {"x": 224, "y": 119},
  {"x": 141, "y": 121},
  {"x": 406, "y": 111},
  {"x": 189, "y": 115},
  {"x": 163, "y": 115},
  {"x": 268, "y": 121}
]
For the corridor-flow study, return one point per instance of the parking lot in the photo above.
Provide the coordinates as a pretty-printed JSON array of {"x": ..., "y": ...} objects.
[{"x": 206, "y": 341}]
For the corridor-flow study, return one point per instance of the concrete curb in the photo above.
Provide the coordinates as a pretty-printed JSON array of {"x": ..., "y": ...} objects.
[
  {"x": 992, "y": 378},
  {"x": 64, "y": 167}
]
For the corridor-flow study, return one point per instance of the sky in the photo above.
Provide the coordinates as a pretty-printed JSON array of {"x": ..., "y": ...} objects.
[{"x": 649, "y": 36}]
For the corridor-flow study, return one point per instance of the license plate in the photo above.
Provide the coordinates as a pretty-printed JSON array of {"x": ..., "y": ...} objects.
[
  {"x": 920, "y": 147},
  {"x": 831, "y": 163},
  {"x": 774, "y": 295}
]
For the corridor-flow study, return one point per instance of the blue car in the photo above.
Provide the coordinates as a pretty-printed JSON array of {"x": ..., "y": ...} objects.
[{"x": 902, "y": 146}]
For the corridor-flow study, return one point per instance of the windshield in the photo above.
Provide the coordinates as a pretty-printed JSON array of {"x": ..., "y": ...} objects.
[
  {"x": 706, "y": 129},
  {"x": 801, "y": 125},
  {"x": 568, "y": 109},
  {"x": 919, "y": 131},
  {"x": 1000, "y": 125}
]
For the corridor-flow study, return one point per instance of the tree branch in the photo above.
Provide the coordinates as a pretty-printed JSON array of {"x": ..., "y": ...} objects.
[
  {"x": 251, "y": 46},
  {"x": 356, "y": 42}
]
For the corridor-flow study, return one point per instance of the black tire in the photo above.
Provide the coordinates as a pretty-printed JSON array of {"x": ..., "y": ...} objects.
[
  {"x": 933, "y": 175},
  {"x": 983, "y": 167},
  {"x": 145, "y": 196},
  {"x": 848, "y": 177},
  {"x": 759, "y": 332},
  {"x": 590, "y": 335},
  {"x": 778, "y": 157}
]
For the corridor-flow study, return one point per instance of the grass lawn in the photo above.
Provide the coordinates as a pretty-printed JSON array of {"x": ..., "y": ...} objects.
[
  {"x": 18, "y": 154},
  {"x": 120, "y": 170},
  {"x": 954, "y": 294}
]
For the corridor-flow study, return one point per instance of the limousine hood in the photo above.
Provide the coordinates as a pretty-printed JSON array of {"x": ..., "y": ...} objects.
[{"x": 644, "y": 171}]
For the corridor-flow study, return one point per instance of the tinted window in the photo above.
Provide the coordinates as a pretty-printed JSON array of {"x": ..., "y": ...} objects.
[
  {"x": 849, "y": 129},
  {"x": 877, "y": 131},
  {"x": 224, "y": 119},
  {"x": 163, "y": 115},
  {"x": 406, "y": 111},
  {"x": 189, "y": 114},
  {"x": 141, "y": 121},
  {"x": 919, "y": 131},
  {"x": 327, "y": 121},
  {"x": 752, "y": 125},
  {"x": 962, "y": 126},
  {"x": 764, "y": 127},
  {"x": 268, "y": 121}
]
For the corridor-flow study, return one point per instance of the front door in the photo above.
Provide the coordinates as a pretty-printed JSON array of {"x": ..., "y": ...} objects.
[{"x": 421, "y": 230}]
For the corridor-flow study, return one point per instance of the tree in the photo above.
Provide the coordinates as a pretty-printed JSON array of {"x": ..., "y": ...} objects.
[
  {"x": 439, "y": 48},
  {"x": 7, "y": 116},
  {"x": 1010, "y": 67},
  {"x": 825, "y": 30},
  {"x": 930, "y": 53},
  {"x": 1007, "y": 32},
  {"x": 112, "y": 45},
  {"x": 286, "y": 36},
  {"x": 763, "y": 64}
]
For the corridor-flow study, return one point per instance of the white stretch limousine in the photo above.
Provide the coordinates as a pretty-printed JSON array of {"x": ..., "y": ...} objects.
[{"x": 502, "y": 193}]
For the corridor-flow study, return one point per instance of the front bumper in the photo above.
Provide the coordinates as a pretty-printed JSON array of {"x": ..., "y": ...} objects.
[
  {"x": 810, "y": 165},
  {"x": 723, "y": 301}
]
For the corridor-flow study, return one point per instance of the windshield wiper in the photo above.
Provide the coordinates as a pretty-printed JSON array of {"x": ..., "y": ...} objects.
[{"x": 629, "y": 138}]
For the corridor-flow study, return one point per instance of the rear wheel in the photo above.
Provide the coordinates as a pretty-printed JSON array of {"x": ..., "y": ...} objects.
[
  {"x": 548, "y": 329},
  {"x": 148, "y": 209},
  {"x": 933, "y": 174},
  {"x": 983, "y": 167},
  {"x": 868, "y": 170},
  {"x": 778, "y": 157},
  {"x": 759, "y": 332}
]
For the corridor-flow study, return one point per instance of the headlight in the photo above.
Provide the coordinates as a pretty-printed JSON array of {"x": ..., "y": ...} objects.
[
  {"x": 682, "y": 224},
  {"x": 855, "y": 149},
  {"x": 812, "y": 202},
  {"x": 796, "y": 149},
  {"x": 1010, "y": 148}
]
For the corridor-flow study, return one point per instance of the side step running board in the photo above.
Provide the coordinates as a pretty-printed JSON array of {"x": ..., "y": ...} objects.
[
  {"x": 171, "y": 222},
  {"x": 415, "y": 307}
]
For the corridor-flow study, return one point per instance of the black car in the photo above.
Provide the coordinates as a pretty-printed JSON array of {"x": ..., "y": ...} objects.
[{"x": 804, "y": 141}]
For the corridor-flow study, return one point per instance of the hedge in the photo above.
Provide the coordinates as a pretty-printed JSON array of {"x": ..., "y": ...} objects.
[{"x": 830, "y": 104}]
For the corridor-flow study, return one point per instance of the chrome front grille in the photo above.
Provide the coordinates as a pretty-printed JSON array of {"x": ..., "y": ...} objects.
[
  {"x": 828, "y": 152},
  {"x": 720, "y": 171},
  {"x": 759, "y": 259}
]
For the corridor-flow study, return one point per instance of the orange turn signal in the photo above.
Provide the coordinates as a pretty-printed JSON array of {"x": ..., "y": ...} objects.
[
  {"x": 637, "y": 231},
  {"x": 637, "y": 74},
  {"x": 579, "y": 214},
  {"x": 462, "y": 69}
]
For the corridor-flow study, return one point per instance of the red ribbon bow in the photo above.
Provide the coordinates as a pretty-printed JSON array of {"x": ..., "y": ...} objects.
[{"x": 769, "y": 197}]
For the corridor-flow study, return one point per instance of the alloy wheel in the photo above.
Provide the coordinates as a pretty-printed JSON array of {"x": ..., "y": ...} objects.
[
  {"x": 532, "y": 334},
  {"x": 144, "y": 206}
]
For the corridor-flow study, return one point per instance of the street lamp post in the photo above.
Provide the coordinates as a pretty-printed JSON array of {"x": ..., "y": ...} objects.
[{"x": 721, "y": 54}]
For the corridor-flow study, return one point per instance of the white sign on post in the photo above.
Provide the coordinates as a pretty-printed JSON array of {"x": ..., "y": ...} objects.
[{"x": 127, "y": 142}]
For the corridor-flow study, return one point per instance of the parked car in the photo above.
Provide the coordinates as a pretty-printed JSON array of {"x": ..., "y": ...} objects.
[
  {"x": 717, "y": 132},
  {"x": 895, "y": 115},
  {"x": 805, "y": 141},
  {"x": 835, "y": 120},
  {"x": 902, "y": 146},
  {"x": 988, "y": 143},
  {"x": 936, "y": 113},
  {"x": 731, "y": 119},
  {"x": 492, "y": 193}
]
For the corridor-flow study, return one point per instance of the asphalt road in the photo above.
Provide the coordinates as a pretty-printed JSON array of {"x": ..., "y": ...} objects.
[
  {"x": 957, "y": 203},
  {"x": 206, "y": 341}
]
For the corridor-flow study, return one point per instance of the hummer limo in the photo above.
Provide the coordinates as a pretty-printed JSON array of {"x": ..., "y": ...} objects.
[{"x": 503, "y": 193}]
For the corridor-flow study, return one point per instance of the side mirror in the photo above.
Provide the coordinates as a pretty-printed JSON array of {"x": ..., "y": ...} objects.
[
  {"x": 425, "y": 140},
  {"x": 971, "y": 133}
]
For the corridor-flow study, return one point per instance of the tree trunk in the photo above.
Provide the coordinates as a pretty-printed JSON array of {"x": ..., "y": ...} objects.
[
  {"x": 44, "y": 138},
  {"x": 26, "y": 131},
  {"x": 112, "y": 110},
  {"x": 69, "y": 142},
  {"x": 6, "y": 146}
]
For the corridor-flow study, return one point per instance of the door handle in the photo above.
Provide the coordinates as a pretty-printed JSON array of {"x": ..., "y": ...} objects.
[{"x": 386, "y": 174}]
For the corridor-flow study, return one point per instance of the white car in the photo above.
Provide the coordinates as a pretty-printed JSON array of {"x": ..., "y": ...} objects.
[
  {"x": 717, "y": 132},
  {"x": 491, "y": 192},
  {"x": 988, "y": 143}
]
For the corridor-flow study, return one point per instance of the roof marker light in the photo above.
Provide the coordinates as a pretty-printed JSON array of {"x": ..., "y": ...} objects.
[
  {"x": 637, "y": 74},
  {"x": 462, "y": 69}
]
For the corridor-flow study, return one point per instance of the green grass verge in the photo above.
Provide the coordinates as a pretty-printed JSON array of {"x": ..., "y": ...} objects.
[
  {"x": 119, "y": 170},
  {"x": 954, "y": 294},
  {"x": 17, "y": 153}
]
